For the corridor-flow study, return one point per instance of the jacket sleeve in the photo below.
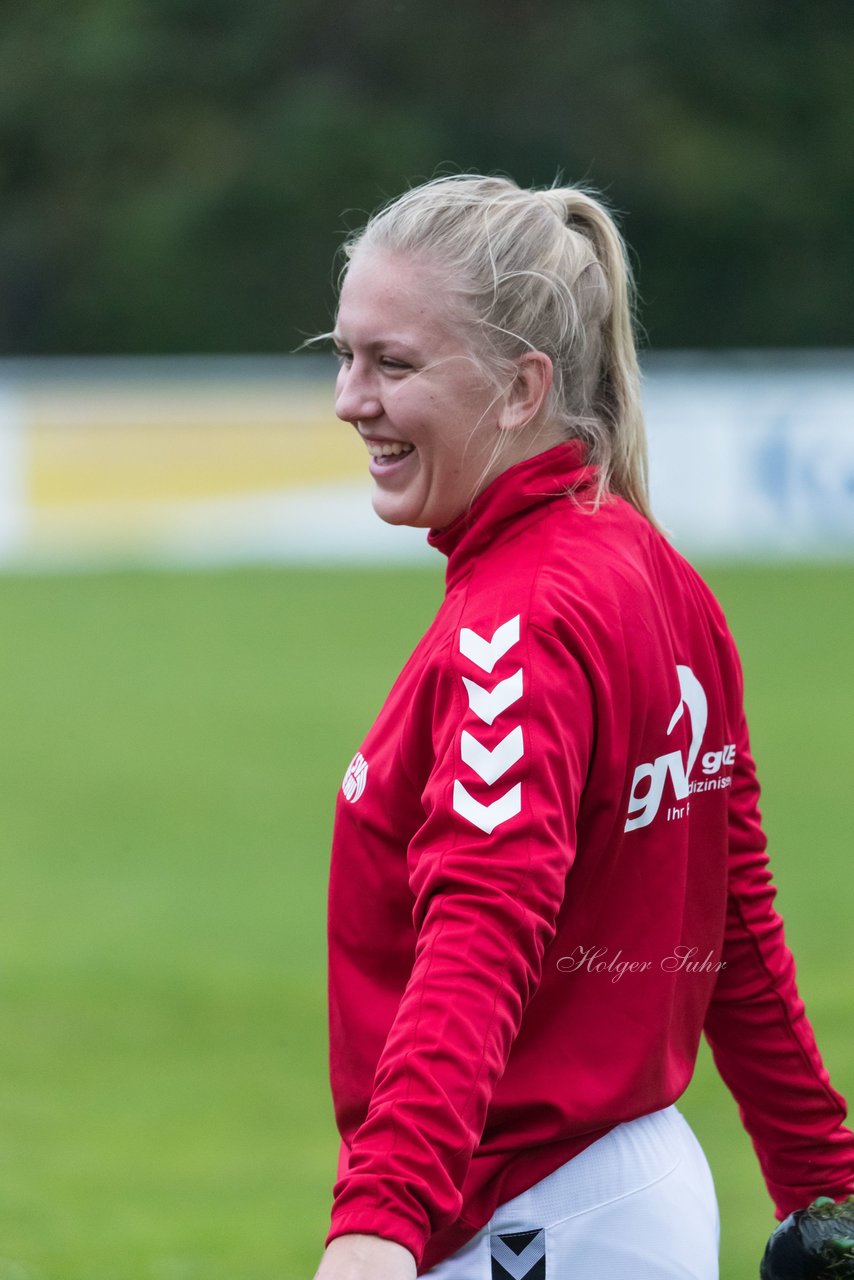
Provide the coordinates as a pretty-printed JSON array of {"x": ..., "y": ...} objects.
[
  {"x": 758, "y": 1031},
  {"x": 511, "y": 721}
]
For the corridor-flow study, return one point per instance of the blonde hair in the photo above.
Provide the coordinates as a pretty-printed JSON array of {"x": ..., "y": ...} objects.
[{"x": 540, "y": 270}]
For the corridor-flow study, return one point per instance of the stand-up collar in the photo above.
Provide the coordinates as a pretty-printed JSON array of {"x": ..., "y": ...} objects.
[{"x": 518, "y": 490}]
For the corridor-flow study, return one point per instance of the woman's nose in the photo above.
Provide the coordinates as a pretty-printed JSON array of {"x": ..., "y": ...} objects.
[{"x": 355, "y": 396}]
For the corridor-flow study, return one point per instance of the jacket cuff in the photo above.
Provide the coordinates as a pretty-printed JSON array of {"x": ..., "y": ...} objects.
[{"x": 370, "y": 1222}]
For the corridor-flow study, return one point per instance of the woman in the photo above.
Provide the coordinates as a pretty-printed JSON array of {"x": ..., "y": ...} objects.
[{"x": 548, "y": 872}]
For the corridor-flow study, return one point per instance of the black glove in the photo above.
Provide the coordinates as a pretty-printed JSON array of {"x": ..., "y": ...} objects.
[{"x": 813, "y": 1244}]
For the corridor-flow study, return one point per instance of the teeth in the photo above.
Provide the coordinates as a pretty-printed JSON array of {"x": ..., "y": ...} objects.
[{"x": 388, "y": 450}]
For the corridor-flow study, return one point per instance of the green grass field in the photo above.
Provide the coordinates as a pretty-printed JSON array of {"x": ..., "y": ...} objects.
[{"x": 170, "y": 750}]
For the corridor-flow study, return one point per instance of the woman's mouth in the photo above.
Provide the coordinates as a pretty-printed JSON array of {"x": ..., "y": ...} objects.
[
  {"x": 387, "y": 455},
  {"x": 388, "y": 448}
]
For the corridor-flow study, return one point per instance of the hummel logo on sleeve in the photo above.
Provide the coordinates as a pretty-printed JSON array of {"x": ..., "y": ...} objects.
[
  {"x": 490, "y": 765},
  {"x": 488, "y": 816},
  {"x": 485, "y": 653},
  {"x": 488, "y": 704}
]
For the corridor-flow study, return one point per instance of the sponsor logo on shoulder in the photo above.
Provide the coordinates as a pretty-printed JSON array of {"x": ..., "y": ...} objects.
[
  {"x": 649, "y": 779},
  {"x": 355, "y": 778}
]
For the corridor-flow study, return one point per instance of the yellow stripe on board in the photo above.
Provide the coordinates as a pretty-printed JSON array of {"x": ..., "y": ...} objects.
[{"x": 96, "y": 444}]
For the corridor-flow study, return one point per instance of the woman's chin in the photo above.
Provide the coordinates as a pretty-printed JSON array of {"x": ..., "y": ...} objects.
[{"x": 394, "y": 509}]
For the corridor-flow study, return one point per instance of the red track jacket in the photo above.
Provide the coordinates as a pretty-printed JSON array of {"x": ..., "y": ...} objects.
[{"x": 549, "y": 877}]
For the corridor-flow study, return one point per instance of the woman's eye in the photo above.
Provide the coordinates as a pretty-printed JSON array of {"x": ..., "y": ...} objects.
[{"x": 343, "y": 356}]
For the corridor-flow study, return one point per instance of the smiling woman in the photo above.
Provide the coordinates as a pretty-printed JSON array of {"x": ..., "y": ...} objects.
[
  {"x": 428, "y": 412},
  {"x": 561, "y": 769}
]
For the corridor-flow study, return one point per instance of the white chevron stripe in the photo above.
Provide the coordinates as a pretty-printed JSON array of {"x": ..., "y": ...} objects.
[
  {"x": 518, "y": 1264},
  {"x": 489, "y": 703},
  {"x": 490, "y": 765},
  {"x": 487, "y": 816},
  {"x": 485, "y": 653}
]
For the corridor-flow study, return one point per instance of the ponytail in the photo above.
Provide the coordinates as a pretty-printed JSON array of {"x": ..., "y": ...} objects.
[{"x": 618, "y": 403}]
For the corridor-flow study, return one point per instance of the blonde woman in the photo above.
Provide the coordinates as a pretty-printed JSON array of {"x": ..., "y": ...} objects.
[{"x": 548, "y": 871}]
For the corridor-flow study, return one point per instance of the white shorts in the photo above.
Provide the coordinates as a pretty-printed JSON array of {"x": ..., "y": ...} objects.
[{"x": 639, "y": 1204}]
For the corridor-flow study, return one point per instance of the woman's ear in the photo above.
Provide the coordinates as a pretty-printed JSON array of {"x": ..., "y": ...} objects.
[{"x": 528, "y": 392}]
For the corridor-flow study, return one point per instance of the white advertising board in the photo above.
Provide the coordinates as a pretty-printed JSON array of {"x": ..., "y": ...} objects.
[
  {"x": 220, "y": 461},
  {"x": 13, "y": 504},
  {"x": 753, "y": 456}
]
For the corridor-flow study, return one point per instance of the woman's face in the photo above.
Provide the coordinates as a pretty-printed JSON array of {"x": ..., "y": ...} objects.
[{"x": 410, "y": 387}]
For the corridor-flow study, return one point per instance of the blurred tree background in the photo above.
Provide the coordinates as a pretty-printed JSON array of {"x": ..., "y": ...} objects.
[{"x": 176, "y": 174}]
